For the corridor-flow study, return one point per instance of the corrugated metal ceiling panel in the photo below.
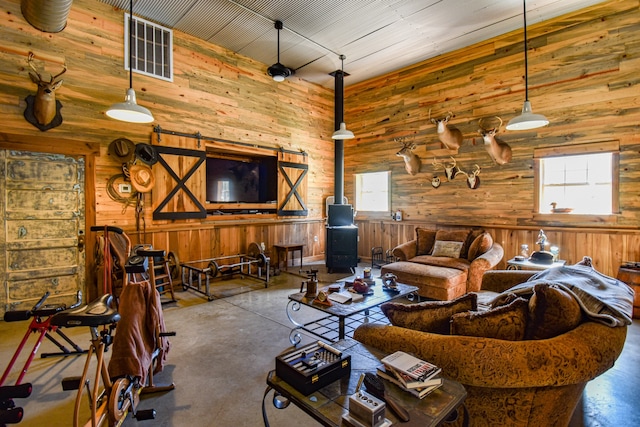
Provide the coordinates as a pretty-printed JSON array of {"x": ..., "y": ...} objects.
[{"x": 377, "y": 36}]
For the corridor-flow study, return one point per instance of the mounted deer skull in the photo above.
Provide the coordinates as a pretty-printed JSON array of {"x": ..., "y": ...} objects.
[
  {"x": 499, "y": 151},
  {"x": 450, "y": 171},
  {"x": 412, "y": 162},
  {"x": 473, "y": 180},
  {"x": 450, "y": 136},
  {"x": 43, "y": 110}
]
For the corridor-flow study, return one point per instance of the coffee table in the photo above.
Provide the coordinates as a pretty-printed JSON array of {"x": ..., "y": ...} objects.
[
  {"x": 328, "y": 404},
  {"x": 342, "y": 311}
]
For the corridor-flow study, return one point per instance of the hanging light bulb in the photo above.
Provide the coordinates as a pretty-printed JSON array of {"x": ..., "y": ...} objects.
[
  {"x": 342, "y": 132},
  {"x": 527, "y": 119},
  {"x": 129, "y": 110}
]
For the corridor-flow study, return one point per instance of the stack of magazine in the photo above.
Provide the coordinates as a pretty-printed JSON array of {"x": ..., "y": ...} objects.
[{"x": 414, "y": 375}]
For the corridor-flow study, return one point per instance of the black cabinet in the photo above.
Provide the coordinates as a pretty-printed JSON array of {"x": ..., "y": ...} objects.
[{"x": 342, "y": 248}]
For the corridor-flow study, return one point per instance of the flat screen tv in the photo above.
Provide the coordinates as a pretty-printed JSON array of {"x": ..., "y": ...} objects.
[{"x": 242, "y": 181}]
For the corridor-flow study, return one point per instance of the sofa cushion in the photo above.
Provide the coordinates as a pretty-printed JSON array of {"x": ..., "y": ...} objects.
[
  {"x": 429, "y": 316},
  {"x": 455, "y": 236},
  {"x": 447, "y": 249},
  {"x": 424, "y": 240},
  {"x": 457, "y": 263},
  {"x": 479, "y": 246},
  {"x": 552, "y": 311},
  {"x": 506, "y": 322}
]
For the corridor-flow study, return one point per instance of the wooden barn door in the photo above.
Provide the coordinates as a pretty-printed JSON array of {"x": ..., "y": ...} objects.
[{"x": 42, "y": 240}]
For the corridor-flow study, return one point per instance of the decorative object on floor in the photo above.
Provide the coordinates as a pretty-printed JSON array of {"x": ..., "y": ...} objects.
[
  {"x": 278, "y": 71},
  {"x": 451, "y": 137},
  {"x": 499, "y": 151},
  {"x": 129, "y": 110},
  {"x": 43, "y": 110},
  {"x": 527, "y": 119},
  {"x": 412, "y": 162}
]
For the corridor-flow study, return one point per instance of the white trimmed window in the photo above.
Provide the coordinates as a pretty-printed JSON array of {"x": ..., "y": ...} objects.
[
  {"x": 152, "y": 48},
  {"x": 577, "y": 179},
  {"x": 372, "y": 192}
]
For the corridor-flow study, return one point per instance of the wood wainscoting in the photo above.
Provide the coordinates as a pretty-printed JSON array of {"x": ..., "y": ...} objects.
[
  {"x": 607, "y": 247},
  {"x": 233, "y": 237}
]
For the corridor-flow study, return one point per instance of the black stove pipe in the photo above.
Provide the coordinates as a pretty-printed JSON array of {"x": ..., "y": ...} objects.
[{"x": 338, "y": 192}]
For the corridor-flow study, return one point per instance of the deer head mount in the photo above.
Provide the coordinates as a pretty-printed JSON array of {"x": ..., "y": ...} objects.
[
  {"x": 450, "y": 136},
  {"x": 473, "y": 180},
  {"x": 499, "y": 151},
  {"x": 43, "y": 110},
  {"x": 412, "y": 162},
  {"x": 451, "y": 170}
]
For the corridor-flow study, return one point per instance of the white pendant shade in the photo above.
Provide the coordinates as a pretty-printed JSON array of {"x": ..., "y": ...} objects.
[
  {"x": 129, "y": 110},
  {"x": 527, "y": 120},
  {"x": 343, "y": 133}
]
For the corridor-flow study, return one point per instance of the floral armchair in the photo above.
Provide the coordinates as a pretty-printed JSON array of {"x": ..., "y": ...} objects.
[{"x": 511, "y": 383}]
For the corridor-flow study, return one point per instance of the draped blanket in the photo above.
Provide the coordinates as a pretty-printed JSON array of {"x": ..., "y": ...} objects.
[{"x": 602, "y": 298}]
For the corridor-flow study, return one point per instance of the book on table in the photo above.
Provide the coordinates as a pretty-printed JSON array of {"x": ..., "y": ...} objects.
[
  {"x": 345, "y": 297},
  {"x": 411, "y": 366},
  {"x": 420, "y": 392}
]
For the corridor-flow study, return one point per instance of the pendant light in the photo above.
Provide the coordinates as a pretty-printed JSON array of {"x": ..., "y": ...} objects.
[
  {"x": 342, "y": 132},
  {"x": 129, "y": 110},
  {"x": 527, "y": 119},
  {"x": 278, "y": 71}
]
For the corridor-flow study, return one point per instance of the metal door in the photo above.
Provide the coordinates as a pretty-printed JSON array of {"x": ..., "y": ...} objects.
[{"x": 42, "y": 241}]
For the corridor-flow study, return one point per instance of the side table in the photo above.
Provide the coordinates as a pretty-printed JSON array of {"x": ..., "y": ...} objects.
[
  {"x": 631, "y": 276},
  {"x": 328, "y": 404},
  {"x": 512, "y": 264},
  {"x": 286, "y": 248}
]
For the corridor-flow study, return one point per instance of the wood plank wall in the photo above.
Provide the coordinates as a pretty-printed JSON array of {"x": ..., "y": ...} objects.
[
  {"x": 583, "y": 75},
  {"x": 215, "y": 92}
]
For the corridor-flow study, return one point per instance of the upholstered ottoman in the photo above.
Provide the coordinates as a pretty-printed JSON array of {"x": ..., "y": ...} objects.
[{"x": 435, "y": 282}]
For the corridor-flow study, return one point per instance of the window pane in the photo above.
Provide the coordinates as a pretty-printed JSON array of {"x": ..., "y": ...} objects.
[
  {"x": 372, "y": 191},
  {"x": 582, "y": 182}
]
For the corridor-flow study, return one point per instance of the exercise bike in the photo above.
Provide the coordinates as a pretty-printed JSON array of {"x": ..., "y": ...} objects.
[
  {"x": 40, "y": 316},
  {"x": 108, "y": 400},
  {"x": 116, "y": 390}
]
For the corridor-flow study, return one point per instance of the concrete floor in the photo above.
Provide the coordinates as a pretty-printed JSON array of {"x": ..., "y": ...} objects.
[{"x": 223, "y": 350}]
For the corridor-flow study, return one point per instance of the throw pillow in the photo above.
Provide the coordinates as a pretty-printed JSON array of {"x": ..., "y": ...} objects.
[
  {"x": 455, "y": 236},
  {"x": 447, "y": 249},
  {"x": 507, "y": 322},
  {"x": 479, "y": 246},
  {"x": 424, "y": 240},
  {"x": 552, "y": 311},
  {"x": 428, "y": 316}
]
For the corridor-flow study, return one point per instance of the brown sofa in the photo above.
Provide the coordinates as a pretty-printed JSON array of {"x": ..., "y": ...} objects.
[
  {"x": 527, "y": 382},
  {"x": 432, "y": 263}
]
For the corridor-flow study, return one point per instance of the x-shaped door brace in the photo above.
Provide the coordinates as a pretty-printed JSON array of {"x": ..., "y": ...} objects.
[
  {"x": 294, "y": 188},
  {"x": 181, "y": 184}
]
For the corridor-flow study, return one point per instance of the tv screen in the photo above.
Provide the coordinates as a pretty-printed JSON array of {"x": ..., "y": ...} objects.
[{"x": 240, "y": 181}]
